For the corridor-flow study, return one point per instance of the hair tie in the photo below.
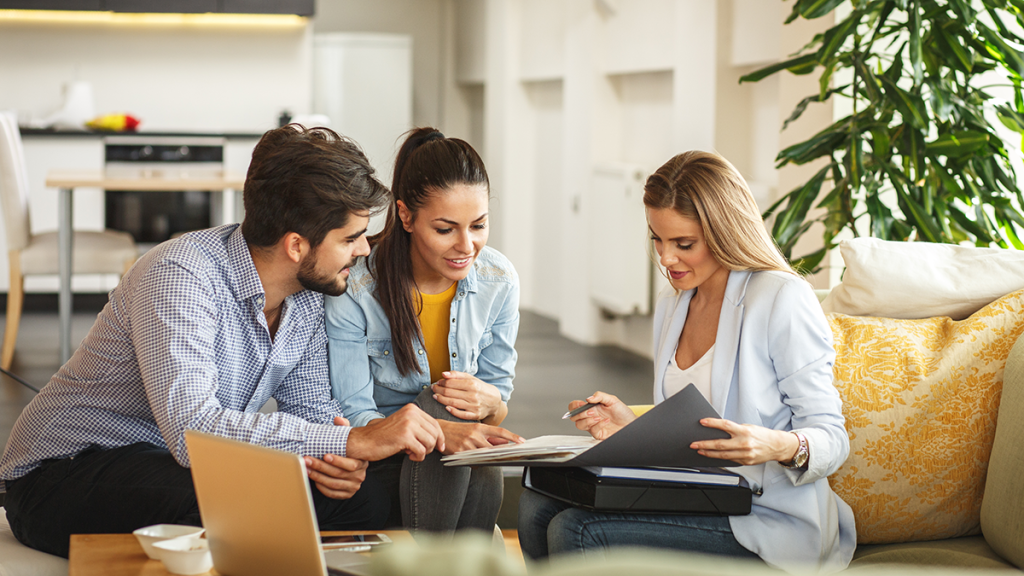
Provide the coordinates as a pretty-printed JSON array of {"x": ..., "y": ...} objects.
[{"x": 435, "y": 135}]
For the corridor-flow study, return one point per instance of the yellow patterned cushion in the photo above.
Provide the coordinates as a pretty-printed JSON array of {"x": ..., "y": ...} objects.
[{"x": 920, "y": 399}]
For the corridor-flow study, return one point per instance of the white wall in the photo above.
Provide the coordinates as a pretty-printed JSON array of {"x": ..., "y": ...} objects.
[
  {"x": 571, "y": 85},
  {"x": 172, "y": 77},
  {"x": 422, "y": 19}
]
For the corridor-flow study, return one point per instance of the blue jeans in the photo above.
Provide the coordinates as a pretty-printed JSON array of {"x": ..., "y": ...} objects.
[
  {"x": 436, "y": 498},
  {"x": 549, "y": 527}
]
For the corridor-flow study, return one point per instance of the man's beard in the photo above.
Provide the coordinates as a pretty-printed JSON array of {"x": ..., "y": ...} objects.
[{"x": 329, "y": 284}]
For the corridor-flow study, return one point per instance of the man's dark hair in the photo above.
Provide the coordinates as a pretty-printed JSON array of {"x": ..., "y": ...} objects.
[{"x": 306, "y": 181}]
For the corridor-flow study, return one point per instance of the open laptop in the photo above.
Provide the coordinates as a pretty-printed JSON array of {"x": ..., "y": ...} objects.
[{"x": 257, "y": 509}]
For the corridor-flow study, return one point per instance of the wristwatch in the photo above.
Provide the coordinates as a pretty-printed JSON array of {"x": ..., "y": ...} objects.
[{"x": 800, "y": 459}]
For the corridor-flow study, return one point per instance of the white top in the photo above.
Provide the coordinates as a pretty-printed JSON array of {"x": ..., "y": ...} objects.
[{"x": 699, "y": 375}]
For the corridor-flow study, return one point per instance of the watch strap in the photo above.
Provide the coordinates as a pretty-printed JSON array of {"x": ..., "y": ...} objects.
[{"x": 802, "y": 452}]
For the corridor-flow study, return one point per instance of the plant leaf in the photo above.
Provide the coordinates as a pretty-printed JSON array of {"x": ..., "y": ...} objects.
[
  {"x": 802, "y": 105},
  {"x": 809, "y": 263},
  {"x": 942, "y": 101},
  {"x": 923, "y": 223},
  {"x": 881, "y": 217},
  {"x": 958, "y": 50},
  {"x": 967, "y": 224},
  {"x": 796, "y": 65},
  {"x": 958, "y": 143},
  {"x": 790, "y": 219},
  {"x": 821, "y": 144},
  {"x": 1001, "y": 51},
  {"x": 1010, "y": 118},
  {"x": 811, "y": 9},
  {"x": 910, "y": 106},
  {"x": 836, "y": 35},
  {"x": 914, "y": 25}
]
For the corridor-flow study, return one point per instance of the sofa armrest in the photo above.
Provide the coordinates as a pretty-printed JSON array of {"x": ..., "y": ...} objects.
[
  {"x": 641, "y": 409},
  {"x": 1004, "y": 492}
]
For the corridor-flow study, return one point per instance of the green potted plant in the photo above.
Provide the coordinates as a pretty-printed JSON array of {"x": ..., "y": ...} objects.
[{"x": 919, "y": 156}]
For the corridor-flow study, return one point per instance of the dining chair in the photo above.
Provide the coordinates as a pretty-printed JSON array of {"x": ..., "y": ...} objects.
[{"x": 106, "y": 252}]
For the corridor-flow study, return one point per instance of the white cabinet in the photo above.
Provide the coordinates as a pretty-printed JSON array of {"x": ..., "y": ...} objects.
[{"x": 363, "y": 83}]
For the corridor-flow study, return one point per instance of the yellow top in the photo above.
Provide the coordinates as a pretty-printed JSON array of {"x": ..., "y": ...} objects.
[{"x": 434, "y": 324}]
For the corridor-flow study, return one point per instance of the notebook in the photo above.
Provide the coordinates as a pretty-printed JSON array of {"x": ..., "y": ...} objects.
[{"x": 257, "y": 509}]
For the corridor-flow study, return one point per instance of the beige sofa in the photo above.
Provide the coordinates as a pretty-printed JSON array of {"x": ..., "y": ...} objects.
[
  {"x": 1001, "y": 544},
  {"x": 18, "y": 560}
]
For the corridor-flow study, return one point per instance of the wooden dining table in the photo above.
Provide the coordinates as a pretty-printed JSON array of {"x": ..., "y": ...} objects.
[{"x": 67, "y": 180}]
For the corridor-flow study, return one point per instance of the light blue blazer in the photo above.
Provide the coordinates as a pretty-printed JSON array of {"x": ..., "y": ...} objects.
[{"x": 772, "y": 366}]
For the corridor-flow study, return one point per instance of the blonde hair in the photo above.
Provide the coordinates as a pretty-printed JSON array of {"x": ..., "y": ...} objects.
[{"x": 707, "y": 188}]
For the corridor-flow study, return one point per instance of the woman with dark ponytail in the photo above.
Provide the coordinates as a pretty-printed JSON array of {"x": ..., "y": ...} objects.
[{"x": 431, "y": 318}]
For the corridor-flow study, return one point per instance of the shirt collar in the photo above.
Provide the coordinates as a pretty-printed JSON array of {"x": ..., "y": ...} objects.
[
  {"x": 469, "y": 283},
  {"x": 246, "y": 281}
]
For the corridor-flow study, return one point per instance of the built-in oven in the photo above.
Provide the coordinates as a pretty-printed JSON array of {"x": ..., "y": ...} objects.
[{"x": 152, "y": 217}]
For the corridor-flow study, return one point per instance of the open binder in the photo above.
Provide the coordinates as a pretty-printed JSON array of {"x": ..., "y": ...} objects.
[{"x": 661, "y": 438}]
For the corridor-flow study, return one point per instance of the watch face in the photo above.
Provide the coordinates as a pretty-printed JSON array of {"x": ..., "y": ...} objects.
[{"x": 801, "y": 457}]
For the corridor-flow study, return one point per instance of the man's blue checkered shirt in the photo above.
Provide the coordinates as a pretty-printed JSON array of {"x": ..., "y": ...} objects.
[{"x": 183, "y": 344}]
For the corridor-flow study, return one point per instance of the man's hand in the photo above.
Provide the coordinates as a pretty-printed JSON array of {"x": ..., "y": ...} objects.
[
  {"x": 409, "y": 430},
  {"x": 336, "y": 477},
  {"x": 467, "y": 397},
  {"x": 461, "y": 436}
]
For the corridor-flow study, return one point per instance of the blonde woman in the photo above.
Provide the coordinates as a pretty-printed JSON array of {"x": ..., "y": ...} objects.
[{"x": 743, "y": 327}]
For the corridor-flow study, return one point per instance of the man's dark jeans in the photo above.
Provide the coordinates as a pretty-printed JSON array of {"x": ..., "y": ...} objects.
[{"x": 122, "y": 489}]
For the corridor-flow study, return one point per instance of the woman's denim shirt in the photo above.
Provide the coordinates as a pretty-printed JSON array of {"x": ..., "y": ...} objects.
[{"x": 481, "y": 341}]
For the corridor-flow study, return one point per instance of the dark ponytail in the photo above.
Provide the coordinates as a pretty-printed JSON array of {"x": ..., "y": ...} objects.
[{"x": 427, "y": 164}]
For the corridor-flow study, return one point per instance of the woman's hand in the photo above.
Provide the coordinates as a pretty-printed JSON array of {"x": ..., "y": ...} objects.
[
  {"x": 604, "y": 420},
  {"x": 461, "y": 436},
  {"x": 467, "y": 397},
  {"x": 748, "y": 444}
]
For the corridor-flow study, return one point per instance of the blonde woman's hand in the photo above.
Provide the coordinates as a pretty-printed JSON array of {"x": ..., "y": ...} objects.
[
  {"x": 601, "y": 421},
  {"x": 467, "y": 397},
  {"x": 748, "y": 444}
]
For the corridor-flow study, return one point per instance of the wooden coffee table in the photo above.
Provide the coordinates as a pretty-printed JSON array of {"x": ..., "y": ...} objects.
[{"x": 121, "y": 554}]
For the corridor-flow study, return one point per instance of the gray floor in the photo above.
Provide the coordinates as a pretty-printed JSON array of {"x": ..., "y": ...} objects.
[{"x": 551, "y": 371}]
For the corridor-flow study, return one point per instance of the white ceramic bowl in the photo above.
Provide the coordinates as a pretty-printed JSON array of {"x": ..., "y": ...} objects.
[
  {"x": 185, "y": 555},
  {"x": 151, "y": 534}
]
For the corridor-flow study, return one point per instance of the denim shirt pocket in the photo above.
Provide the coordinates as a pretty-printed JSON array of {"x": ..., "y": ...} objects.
[
  {"x": 485, "y": 340},
  {"x": 382, "y": 364}
]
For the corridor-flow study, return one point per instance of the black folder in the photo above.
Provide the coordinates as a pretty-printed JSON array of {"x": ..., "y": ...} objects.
[
  {"x": 586, "y": 490},
  {"x": 661, "y": 437}
]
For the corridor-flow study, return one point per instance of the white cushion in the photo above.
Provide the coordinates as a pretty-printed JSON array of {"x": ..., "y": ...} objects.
[
  {"x": 93, "y": 253},
  {"x": 17, "y": 559},
  {"x": 913, "y": 280}
]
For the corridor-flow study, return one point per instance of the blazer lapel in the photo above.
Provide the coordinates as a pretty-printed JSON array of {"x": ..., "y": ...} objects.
[
  {"x": 671, "y": 329},
  {"x": 727, "y": 341}
]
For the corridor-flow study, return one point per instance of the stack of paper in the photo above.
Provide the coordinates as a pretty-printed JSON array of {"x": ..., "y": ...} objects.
[
  {"x": 688, "y": 475},
  {"x": 546, "y": 448}
]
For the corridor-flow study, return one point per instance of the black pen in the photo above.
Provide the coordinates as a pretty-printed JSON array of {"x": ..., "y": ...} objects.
[{"x": 579, "y": 410}]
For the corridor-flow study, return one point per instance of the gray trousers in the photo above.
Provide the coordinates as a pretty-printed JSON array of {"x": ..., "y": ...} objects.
[{"x": 438, "y": 498}]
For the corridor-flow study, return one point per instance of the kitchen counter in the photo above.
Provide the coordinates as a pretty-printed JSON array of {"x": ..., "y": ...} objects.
[{"x": 32, "y": 132}]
